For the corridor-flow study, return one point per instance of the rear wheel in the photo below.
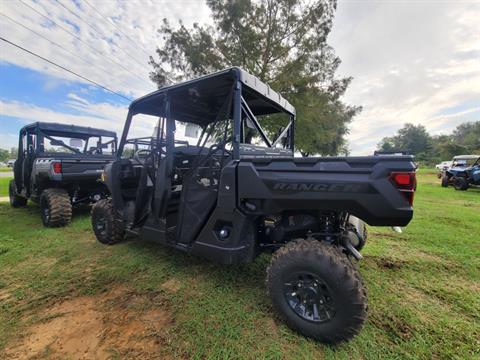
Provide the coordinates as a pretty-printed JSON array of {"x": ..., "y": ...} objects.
[
  {"x": 106, "y": 228},
  {"x": 55, "y": 207},
  {"x": 460, "y": 183},
  {"x": 15, "y": 199},
  {"x": 317, "y": 291},
  {"x": 445, "y": 180}
]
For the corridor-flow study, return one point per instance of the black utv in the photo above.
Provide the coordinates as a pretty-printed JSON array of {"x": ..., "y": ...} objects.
[
  {"x": 235, "y": 193},
  {"x": 59, "y": 166}
]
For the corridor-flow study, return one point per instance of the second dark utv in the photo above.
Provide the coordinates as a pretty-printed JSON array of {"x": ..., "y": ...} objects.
[
  {"x": 59, "y": 166},
  {"x": 235, "y": 193}
]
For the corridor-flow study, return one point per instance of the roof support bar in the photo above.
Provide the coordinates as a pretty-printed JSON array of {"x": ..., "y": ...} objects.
[
  {"x": 252, "y": 117},
  {"x": 282, "y": 134}
]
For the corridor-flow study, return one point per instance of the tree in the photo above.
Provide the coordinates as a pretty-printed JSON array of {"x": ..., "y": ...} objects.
[
  {"x": 282, "y": 42},
  {"x": 13, "y": 153},
  {"x": 4, "y": 155},
  {"x": 413, "y": 139},
  {"x": 468, "y": 135}
]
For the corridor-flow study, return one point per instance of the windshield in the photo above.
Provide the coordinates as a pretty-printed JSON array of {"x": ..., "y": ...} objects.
[
  {"x": 464, "y": 162},
  {"x": 88, "y": 145}
]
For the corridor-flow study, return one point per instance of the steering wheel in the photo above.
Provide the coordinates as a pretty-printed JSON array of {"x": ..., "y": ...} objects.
[
  {"x": 137, "y": 155},
  {"x": 208, "y": 157},
  {"x": 216, "y": 147}
]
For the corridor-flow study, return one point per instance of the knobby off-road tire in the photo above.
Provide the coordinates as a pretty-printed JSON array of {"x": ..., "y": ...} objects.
[
  {"x": 460, "y": 183},
  {"x": 445, "y": 180},
  {"x": 15, "y": 199},
  {"x": 308, "y": 272},
  {"x": 55, "y": 207},
  {"x": 106, "y": 229}
]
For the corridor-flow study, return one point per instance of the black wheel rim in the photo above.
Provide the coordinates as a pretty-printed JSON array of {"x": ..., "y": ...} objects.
[
  {"x": 101, "y": 226},
  {"x": 309, "y": 297}
]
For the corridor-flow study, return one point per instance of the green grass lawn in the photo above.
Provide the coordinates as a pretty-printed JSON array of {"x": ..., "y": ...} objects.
[
  {"x": 4, "y": 185},
  {"x": 423, "y": 287}
]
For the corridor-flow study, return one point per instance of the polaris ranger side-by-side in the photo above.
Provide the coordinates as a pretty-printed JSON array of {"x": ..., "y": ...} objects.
[
  {"x": 464, "y": 172},
  {"x": 236, "y": 193},
  {"x": 59, "y": 166}
]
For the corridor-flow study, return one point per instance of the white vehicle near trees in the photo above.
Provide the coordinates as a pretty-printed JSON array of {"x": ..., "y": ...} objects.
[{"x": 443, "y": 165}]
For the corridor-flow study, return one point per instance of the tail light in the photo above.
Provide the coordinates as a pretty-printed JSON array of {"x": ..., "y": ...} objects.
[
  {"x": 406, "y": 183},
  {"x": 57, "y": 167}
]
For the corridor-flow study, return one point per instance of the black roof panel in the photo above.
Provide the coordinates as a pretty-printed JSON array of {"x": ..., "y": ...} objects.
[
  {"x": 199, "y": 100},
  {"x": 67, "y": 130}
]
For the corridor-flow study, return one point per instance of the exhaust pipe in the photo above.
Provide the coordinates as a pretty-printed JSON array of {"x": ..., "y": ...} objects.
[{"x": 352, "y": 250}]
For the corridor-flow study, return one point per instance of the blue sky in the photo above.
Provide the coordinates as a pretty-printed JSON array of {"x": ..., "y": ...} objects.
[
  {"x": 412, "y": 61},
  {"x": 26, "y": 86},
  {"x": 52, "y": 99}
]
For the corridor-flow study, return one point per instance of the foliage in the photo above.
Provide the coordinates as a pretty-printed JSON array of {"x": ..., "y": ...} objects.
[
  {"x": 468, "y": 135},
  {"x": 283, "y": 43},
  {"x": 411, "y": 138},
  {"x": 4, "y": 155},
  {"x": 465, "y": 139}
]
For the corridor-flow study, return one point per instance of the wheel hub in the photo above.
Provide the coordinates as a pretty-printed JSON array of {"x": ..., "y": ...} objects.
[
  {"x": 101, "y": 226},
  {"x": 46, "y": 214},
  {"x": 309, "y": 297}
]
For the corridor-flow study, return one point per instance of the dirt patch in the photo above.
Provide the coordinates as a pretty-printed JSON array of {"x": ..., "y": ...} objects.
[
  {"x": 4, "y": 295},
  {"x": 388, "y": 263},
  {"x": 171, "y": 285},
  {"x": 272, "y": 327},
  {"x": 96, "y": 327},
  {"x": 394, "y": 327}
]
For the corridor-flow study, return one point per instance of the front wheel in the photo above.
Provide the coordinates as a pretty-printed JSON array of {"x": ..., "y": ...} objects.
[
  {"x": 460, "y": 183},
  {"x": 106, "y": 228},
  {"x": 445, "y": 180},
  {"x": 15, "y": 199},
  {"x": 317, "y": 291}
]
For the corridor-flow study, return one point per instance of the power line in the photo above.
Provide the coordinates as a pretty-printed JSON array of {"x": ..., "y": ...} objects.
[
  {"x": 44, "y": 37},
  {"x": 111, "y": 22},
  {"x": 132, "y": 41},
  {"x": 98, "y": 32},
  {"x": 64, "y": 68},
  {"x": 81, "y": 40}
]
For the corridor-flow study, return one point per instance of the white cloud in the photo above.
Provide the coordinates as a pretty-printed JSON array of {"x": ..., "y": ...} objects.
[
  {"x": 410, "y": 61},
  {"x": 97, "y": 115},
  {"x": 117, "y": 61},
  {"x": 105, "y": 114}
]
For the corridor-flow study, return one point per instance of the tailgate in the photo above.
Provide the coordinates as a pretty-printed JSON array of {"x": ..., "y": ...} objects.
[
  {"x": 82, "y": 169},
  {"x": 358, "y": 185}
]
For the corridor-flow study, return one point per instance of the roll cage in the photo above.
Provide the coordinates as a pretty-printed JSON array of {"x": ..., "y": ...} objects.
[
  {"x": 174, "y": 181},
  {"x": 201, "y": 101},
  {"x": 42, "y": 131}
]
